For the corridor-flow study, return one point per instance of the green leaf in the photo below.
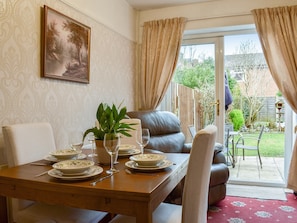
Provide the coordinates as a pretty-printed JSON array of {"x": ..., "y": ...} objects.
[{"x": 109, "y": 119}]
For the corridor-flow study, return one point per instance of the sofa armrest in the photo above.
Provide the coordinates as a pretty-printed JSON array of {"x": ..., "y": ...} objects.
[
  {"x": 187, "y": 148},
  {"x": 219, "y": 174},
  {"x": 218, "y": 156}
]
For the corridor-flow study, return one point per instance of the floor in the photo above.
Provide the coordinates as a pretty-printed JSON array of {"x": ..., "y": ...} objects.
[{"x": 249, "y": 172}]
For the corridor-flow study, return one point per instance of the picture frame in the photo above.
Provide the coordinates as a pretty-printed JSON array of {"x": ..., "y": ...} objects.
[{"x": 65, "y": 47}]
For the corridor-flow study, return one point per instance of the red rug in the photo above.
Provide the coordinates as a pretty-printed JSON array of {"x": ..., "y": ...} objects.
[{"x": 251, "y": 210}]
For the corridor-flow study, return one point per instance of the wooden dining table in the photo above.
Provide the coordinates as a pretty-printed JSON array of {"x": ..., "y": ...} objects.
[{"x": 135, "y": 194}]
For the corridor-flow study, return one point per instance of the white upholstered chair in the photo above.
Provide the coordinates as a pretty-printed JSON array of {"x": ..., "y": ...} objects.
[
  {"x": 195, "y": 197},
  {"x": 137, "y": 126},
  {"x": 25, "y": 143}
]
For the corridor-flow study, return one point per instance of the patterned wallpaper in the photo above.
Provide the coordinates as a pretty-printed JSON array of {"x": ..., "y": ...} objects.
[{"x": 68, "y": 106}]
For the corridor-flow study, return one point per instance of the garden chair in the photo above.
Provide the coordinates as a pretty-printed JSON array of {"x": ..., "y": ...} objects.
[{"x": 255, "y": 144}]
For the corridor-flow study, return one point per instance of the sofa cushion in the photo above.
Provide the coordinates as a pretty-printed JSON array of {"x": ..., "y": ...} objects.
[
  {"x": 165, "y": 130},
  {"x": 158, "y": 122},
  {"x": 172, "y": 143}
]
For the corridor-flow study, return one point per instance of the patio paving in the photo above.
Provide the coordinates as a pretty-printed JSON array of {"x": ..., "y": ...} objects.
[{"x": 248, "y": 171}]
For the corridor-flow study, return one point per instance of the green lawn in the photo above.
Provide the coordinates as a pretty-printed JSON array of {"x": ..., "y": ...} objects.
[{"x": 272, "y": 144}]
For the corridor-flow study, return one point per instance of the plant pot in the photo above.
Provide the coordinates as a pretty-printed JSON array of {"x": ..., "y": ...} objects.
[{"x": 103, "y": 156}]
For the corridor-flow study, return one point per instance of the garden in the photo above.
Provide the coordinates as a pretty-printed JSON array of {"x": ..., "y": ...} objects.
[{"x": 271, "y": 144}]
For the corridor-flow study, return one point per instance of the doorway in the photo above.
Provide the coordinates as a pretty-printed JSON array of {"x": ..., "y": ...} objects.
[
  {"x": 198, "y": 84},
  {"x": 225, "y": 53}
]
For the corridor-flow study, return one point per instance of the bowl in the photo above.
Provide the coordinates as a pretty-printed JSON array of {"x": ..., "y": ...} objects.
[
  {"x": 65, "y": 153},
  {"x": 148, "y": 159},
  {"x": 126, "y": 148},
  {"x": 73, "y": 166}
]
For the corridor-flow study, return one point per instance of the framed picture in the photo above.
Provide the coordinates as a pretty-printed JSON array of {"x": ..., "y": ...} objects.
[{"x": 65, "y": 48}]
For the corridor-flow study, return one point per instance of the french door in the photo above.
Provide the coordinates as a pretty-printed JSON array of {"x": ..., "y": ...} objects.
[{"x": 204, "y": 60}]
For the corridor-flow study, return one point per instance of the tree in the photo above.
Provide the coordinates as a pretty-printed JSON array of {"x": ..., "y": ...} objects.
[
  {"x": 78, "y": 36},
  {"x": 198, "y": 73},
  {"x": 251, "y": 68},
  {"x": 54, "y": 46},
  {"x": 195, "y": 73}
]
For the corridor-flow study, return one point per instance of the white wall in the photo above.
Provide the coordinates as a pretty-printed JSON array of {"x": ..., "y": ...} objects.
[
  {"x": 117, "y": 15},
  {"x": 212, "y": 14},
  {"x": 68, "y": 106}
]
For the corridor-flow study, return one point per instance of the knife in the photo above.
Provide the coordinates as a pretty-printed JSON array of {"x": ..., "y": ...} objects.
[{"x": 100, "y": 179}]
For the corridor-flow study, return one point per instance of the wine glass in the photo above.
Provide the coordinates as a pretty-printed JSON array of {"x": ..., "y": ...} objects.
[
  {"x": 91, "y": 139},
  {"x": 143, "y": 138},
  {"x": 111, "y": 144},
  {"x": 76, "y": 140}
]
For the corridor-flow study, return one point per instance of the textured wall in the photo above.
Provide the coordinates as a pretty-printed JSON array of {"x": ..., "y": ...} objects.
[{"x": 68, "y": 106}]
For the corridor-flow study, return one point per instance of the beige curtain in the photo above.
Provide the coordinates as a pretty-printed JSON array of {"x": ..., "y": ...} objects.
[
  {"x": 277, "y": 29},
  {"x": 161, "y": 43}
]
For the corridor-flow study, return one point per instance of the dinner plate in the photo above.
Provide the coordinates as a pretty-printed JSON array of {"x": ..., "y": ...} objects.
[
  {"x": 93, "y": 171},
  {"x": 73, "y": 166},
  {"x": 126, "y": 148},
  {"x": 74, "y": 174},
  {"x": 149, "y": 159},
  {"x": 65, "y": 153},
  {"x": 51, "y": 158},
  {"x": 130, "y": 153},
  {"x": 150, "y": 166},
  {"x": 166, "y": 163}
]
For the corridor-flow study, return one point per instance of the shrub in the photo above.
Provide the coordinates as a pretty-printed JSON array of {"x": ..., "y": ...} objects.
[{"x": 236, "y": 117}]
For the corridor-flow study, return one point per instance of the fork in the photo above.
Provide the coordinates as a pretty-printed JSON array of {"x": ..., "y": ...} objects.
[{"x": 41, "y": 174}]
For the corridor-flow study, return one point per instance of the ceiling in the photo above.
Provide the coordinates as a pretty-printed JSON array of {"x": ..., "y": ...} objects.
[{"x": 154, "y": 4}]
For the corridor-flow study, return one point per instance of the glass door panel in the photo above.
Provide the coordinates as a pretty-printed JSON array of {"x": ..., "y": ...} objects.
[{"x": 197, "y": 71}]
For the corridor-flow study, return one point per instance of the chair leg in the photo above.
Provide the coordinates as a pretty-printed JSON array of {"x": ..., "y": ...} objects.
[
  {"x": 107, "y": 218},
  {"x": 243, "y": 154},
  {"x": 259, "y": 158}
]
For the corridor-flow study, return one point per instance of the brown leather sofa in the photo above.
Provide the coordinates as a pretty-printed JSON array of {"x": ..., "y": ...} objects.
[{"x": 166, "y": 136}]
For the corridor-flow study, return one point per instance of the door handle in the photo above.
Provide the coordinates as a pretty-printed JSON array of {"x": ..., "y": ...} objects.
[{"x": 217, "y": 104}]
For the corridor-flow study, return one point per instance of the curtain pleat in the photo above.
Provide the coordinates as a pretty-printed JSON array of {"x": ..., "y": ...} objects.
[
  {"x": 160, "y": 49},
  {"x": 277, "y": 29}
]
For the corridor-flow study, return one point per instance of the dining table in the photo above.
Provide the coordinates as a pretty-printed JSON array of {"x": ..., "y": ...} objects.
[{"x": 133, "y": 192}]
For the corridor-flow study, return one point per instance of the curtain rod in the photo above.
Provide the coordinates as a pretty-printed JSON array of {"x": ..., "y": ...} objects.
[{"x": 218, "y": 17}]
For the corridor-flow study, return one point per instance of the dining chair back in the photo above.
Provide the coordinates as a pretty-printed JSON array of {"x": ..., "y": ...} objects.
[
  {"x": 195, "y": 196},
  {"x": 28, "y": 142},
  {"x": 253, "y": 144},
  {"x": 136, "y": 127},
  {"x": 192, "y": 130},
  {"x": 25, "y": 143}
]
